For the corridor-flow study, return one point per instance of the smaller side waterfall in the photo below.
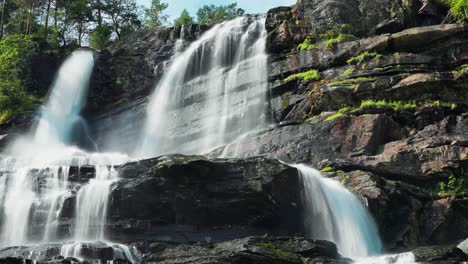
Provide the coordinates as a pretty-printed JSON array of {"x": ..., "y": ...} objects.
[
  {"x": 335, "y": 214},
  {"x": 92, "y": 203}
]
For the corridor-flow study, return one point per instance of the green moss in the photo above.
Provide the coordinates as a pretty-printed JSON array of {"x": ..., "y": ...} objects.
[
  {"x": 395, "y": 105},
  {"x": 338, "y": 34},
  {"x": 119, "y": 82},
  {"x": 438, "y": 103},
  {"x": 453, "y": 187},
  {"x": 312, "y": 75},
  {"x": 334, "y": 116},
  {"x": 281, "y": 252},
  {"x": 346, "y": 180},
  {"x": 365, "y": 56},
  {"x": 330, "y": 43},
  {"x": 308, "y": 44},
  {"x": 350, "y": 83},
  {"x": 347, "y": 72},
  {"x": 327, "y": 169},
  {"x": 285, "y": 101},
  {"x": 463, "y": 70},
  {"x": 458, "y": 8}
]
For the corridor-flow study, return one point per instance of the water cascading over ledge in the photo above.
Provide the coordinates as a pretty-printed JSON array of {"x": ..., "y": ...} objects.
[
  {"x": 333, "y": 213},
  {"x": 35, "y": 170},
  {"x": 214, "y": 92}
]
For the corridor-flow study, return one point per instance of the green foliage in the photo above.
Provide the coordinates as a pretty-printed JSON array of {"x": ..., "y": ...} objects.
[
  {"x": 312, "y": 75},
  {"x": 327, "y": 169},
  {"x": 15, "y": 52},
  {"x": 395, "y": 105},
  {"x": 124, "y": 15},
  {"x": 458, "y": 8},
  {"x": 463, "y": 70},
  {"x": 351, "y": 83},
  {"x": 339, "y": 114},
  {"x": 184, "y": 19},
  {"x": 154, "y": 16},
  {"x": 365, "y": 56},
  {"x": 308, "y": 44},
  {"x": 100, "y": 36},
  {"x": 346, "y": 180},
  {"x": 453, "y": 187},
  {"x": 330, "y": 43},
  {"x": 211, "y": 14},
  {"x": 338, "y": 34},
  {"x": 348, "y": 72}
]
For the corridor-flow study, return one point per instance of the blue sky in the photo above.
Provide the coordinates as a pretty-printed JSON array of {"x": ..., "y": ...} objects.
[{"x": 250, "y": 6}]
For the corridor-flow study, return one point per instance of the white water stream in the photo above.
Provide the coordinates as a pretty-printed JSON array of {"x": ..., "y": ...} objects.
[{"x": 213, "y": 92}]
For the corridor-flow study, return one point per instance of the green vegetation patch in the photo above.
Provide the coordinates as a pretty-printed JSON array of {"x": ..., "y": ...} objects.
[
  {"x": 308, "y": 44},
  {"x": 351, "y": 83},
  {"x": 327, "y": 169},
  {"x": 312, "y": 75},
  {"x": 453, "y": 187},
  {"x": 15, "y": 54},
  {"x": 365, "y": 56},
  {"x": 346, "y": 180},
  {"x": 458, "y": 8},
  {"x": 348, "y": 72},
  {"x": 395, "y": 105},
  {"x": 339, "y": 34},
  {"x": 342, "y": 112}
]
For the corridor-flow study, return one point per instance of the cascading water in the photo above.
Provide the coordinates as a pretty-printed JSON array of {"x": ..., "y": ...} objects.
[
  {"x": 34, "y": 182},
  {"x": 64, "y": 104},
  {"x": 215, "y": 90},
  {"x": 38, "y": 199},
  {"x": 333, "y": 213}
]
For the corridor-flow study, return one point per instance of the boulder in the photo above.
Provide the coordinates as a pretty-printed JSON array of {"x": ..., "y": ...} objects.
[{"x": 278, "y": 250}]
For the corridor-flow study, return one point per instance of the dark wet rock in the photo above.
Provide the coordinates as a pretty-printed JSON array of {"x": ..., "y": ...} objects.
[
  {"x": 131, "y": 67},
  {"x": 440, "y": 254},
  {"x": 251, "y": 250},
  {"x": 95, "y": 252},
  {"x": 189, "y": 198}
]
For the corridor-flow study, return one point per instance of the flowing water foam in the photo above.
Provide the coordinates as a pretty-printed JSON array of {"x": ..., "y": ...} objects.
[{"x": 213, "y": 92}]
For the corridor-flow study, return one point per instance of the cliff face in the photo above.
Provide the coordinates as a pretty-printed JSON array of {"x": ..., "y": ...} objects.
[{"x": 386, "y": 117}]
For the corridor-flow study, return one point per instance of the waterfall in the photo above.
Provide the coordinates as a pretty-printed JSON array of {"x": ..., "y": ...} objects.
[
  {"x": 65, "y": 102},
  {"x": 213, "y": 92},
  {"x": 92, "y": 203},
  {"x": 34, "y": 177},
  {"x": 335, "y": 214}
]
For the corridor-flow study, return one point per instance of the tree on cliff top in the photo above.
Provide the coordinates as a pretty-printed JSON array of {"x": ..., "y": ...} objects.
[
  {"x": 184, "y": 19},
  {"x": 211, "y": 14},
  {"x": 154, "y": 16}
]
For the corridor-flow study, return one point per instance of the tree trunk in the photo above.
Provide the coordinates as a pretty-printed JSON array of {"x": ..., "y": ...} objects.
[
  {"x": 56, "y": 14},
  {"x": 47, "y": 20},
  {"x": 80, "y": 32},
  {"x": 99, "y": 12},
  {"x": 30, "y": 19},
  {"x": 2, "y": 21}
]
